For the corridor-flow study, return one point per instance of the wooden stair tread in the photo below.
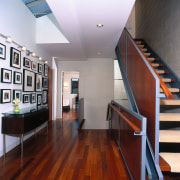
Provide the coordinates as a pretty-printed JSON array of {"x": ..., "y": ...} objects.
[
  {"x": 173, "y": 159},
  {"x": 164, "y": 165},
  {"x": 169, "y": 136},
  {"x": 168, "y": 80},
  {"x": 169, "y": 117},
  {"x": 169, "y": 102},
  {"x": 138, "y": 42},
  {"x": 147, "y": 54},
  {"x": 162, "y": 71},
  {"x": 152, "y": 59},
  {"x": 157, "y": 65},
  {"x": 141, "y": 45},
  {"x": 173, "y": 90},
  {"x": 144, "y": 49}
]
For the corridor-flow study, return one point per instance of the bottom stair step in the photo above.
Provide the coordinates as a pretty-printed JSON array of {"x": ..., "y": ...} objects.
[{"x": 173, "y": 160}]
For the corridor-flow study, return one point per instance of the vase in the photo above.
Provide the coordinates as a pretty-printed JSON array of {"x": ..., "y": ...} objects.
[{"x": 16, "y": 110}]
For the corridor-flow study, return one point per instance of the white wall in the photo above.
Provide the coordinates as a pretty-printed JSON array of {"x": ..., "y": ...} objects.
[
  {"x": 95, "y": 85},
  {"x": 67, "y": 90},
  {"x": 18, "y": 22}
]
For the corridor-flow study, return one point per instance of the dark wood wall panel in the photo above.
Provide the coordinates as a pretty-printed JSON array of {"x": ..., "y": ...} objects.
[
  {"x": 122, "y": 47},
  {"x": 143, "y": 85}
]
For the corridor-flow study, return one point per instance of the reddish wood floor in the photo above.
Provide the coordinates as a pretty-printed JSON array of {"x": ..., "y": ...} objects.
[
  {"x": 68, "y": 154},
  {"x": 65, "y": 153}
]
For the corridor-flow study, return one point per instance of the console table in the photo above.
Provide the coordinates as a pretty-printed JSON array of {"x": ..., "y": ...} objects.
[{"x": 27, "y": 119}]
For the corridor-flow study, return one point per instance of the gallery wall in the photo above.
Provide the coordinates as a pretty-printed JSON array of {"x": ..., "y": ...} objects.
[{"x": 18, "y": 22}]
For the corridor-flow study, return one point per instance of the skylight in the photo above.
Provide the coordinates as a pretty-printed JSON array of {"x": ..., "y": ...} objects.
[{"x": 38, "y": 8}]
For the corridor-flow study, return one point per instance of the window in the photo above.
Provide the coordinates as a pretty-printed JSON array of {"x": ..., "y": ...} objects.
[{"x": 74, "y": 85}]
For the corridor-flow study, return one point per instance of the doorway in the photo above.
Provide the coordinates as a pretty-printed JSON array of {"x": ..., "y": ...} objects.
[{"x": 70, "y": 93}]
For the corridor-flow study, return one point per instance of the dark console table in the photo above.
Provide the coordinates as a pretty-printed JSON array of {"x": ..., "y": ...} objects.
[{"x": 26, "y": 120}]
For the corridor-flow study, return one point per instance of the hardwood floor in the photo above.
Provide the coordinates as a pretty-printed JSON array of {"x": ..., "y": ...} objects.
[
  {"x": 68, "y": 154},
  {"x": 65, "y": 153}
]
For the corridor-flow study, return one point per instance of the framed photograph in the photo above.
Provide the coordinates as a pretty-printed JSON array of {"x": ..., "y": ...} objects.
[
  {"x": 45, "y": 82},
  {"x": 40, "y": 68},
  {"x": 25, "y": 98},
  {"x": 33, "y": 98},
  {"x": 28, "y": 81},
  {"x": 2, "y": 51},
  {"x": 5, "y": 95},
  {"x": 34, "y": 66},
  {"x": 15, "y": 60},
  {"x": 39, "y": 99},
  {"x": 17, "y": 94},
  {"x": 17, "y": 77},
  {"x": 6, "y": 75},
  {"x": 45, "y": 70},
  {"x": 27, "y": 62},
  {"x": 38, "y": 82},
  {"x": 45, "y": 97}
]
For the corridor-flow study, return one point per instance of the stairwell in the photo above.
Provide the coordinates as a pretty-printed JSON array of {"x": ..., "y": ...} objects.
[{"x": 169, "y": 133}]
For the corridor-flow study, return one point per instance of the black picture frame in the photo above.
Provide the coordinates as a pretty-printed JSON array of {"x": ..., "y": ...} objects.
[
  {"x": 15, "y": 60},
  {"x": 45, "y": 70},
  {"x": 27, "y": 62},
  {"x": 28, "y": 81},
  {"x": 74, "y": 86},
  {"x": 17, "y": 77},
  {"x": 38, "y": 82},
  {"x": 6, "y": 75},
  {"x": 45, "y": 97},
  {"x": 5, "y": 96},
  {"x": 33, "y": 98},
  {"x": 39, "y": 99},
  {"x": 44, "y": 82},
  {"x": 40, "y": 68},
  {"x": 26, "y": 98},
  {"x": 34, "y": 66},
  {"x": 16, "y": 94},
  {"x": 2, "y": 51}
]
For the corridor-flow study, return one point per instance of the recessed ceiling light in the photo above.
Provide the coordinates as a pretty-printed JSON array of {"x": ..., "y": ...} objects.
[
  {"x": 99, "y": 53},
  {"x": 100, "y": 25}
]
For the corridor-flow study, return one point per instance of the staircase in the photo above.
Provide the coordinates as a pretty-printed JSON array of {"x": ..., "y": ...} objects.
[{"x": 169, "y": 133}]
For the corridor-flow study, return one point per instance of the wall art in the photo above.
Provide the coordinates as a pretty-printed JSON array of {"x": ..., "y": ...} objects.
[
  {"x": 33, "y": 98},
  {"x": 6, "y": 75},
  {"x": 45, "y": 97},
  {"x": 45, "y": 82},
  {"x": 25, "y": 98},
  {"x": 40, "y": 68},
  {"x": 15, "y": 60},
  {"x": 17, "y": 77},
  {"x": 27, "y": 62},
  {"x": 45, "y": 70},
  {"x": 34, "y": 66},
  {"x": 39, "y": 99},
  {"x": 5, "y": 95},
  {"x": 38, "y": 82},
  {"x": 28, "y": 81},
  {"x": 2, "y": 51},
  {"x": 16, "y": 94}
]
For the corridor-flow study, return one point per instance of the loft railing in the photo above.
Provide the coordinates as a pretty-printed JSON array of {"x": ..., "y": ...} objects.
[
  {"x": 129, "y": 129},
  {"x": 145, "y": 86}
]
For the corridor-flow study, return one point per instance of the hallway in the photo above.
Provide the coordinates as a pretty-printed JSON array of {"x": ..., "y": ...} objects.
[{"x": 65, "y": 153}]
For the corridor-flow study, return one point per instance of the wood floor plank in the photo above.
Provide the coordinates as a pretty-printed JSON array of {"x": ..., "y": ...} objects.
[{"x": 65, "y": 153}]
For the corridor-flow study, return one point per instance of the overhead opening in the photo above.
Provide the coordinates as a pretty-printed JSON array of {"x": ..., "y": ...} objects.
[{"x": 38, "y": 8}]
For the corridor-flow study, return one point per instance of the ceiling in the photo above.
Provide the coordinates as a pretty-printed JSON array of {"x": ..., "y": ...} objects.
[{"x": 78, "y": 20}]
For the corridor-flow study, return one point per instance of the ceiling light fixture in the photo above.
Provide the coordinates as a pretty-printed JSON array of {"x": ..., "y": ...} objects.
[
  {"x": 23, "y": 48},
  {"x": 33, "y": 54},
  {"x": 100, "y": 25}
]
